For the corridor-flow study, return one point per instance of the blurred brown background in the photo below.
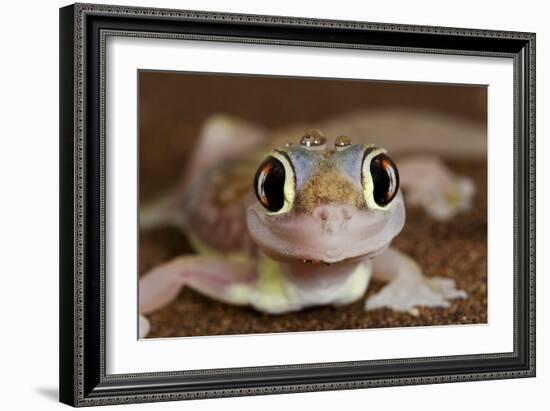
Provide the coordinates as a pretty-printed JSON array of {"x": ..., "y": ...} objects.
[{"x": 174, "y": 105}]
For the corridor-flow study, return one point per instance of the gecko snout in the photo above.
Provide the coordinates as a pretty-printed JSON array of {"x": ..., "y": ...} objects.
[{"x": 333, "y": 214}]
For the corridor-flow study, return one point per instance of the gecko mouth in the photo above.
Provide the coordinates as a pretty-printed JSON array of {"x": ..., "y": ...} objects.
[
  {"x": 304, "y": 238},
  {"x": 307, "y": 261},
  {"x": 339, "y": 259}
]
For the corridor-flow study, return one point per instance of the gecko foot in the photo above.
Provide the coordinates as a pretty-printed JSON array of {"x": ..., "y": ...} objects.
[
  {"x": 143, "y": 326},
  {"x": 430, "y": 185},
  {"x": 402, "y": 294}
]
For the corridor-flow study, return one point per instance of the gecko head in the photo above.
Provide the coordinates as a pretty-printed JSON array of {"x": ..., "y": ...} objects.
[{"x": 325, "y": 205}]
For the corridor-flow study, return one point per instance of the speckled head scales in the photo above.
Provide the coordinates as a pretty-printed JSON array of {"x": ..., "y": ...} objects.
[{"x": 326, "y": 176}]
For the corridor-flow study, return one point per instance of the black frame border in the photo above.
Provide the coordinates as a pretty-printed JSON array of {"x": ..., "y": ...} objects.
[{"x": 83, "y": 30}]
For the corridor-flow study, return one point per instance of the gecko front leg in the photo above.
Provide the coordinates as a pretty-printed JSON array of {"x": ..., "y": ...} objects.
[
  {"x": 215, "y": 277},
  {"x": 407, "y": 287}
]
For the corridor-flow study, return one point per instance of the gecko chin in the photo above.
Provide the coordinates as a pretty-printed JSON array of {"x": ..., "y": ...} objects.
[{"x": 330, "y": 234}]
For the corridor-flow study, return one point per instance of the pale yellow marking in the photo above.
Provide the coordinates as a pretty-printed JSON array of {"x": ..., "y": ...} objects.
[{"x": 357, "y": 284}]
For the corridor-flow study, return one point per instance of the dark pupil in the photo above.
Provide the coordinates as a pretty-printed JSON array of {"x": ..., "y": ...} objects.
[
  {"x": 269, "y": 184},
  {"x": 385, "y": 179}
]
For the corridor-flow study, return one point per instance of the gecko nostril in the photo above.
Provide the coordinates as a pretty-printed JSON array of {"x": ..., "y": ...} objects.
[
  {"x": 322, "y": 213},
  {"x": 346, "y": 212},
  {"x": 333, "y": 214}
]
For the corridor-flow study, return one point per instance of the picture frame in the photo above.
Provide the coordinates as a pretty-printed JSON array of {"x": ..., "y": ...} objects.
[{"x": 84, "y": 380}]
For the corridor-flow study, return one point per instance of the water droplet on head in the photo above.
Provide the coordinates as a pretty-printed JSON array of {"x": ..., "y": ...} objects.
[
  {"x": 342, "y": 142},
  {"x": 314, "y": 140}
]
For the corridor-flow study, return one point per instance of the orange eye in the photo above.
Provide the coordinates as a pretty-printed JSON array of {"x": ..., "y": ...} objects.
[
  {"x": 269, "y": 184},
  {"x": 385, "y": 179}
]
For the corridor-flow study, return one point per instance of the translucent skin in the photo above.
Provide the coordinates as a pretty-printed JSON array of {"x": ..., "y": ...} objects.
[
  {"x": 329, "y": 220},
  {"x": 323, "y": 249}
]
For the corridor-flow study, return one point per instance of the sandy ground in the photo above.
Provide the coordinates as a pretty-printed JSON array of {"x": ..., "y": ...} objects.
[{"x": 456, "y": 249}]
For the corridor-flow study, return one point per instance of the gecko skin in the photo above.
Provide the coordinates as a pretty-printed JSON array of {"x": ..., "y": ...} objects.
[{"x": 304, "y": 224}]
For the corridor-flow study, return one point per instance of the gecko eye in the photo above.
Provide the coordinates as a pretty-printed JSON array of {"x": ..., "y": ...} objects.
[
  {"x": 380, "y": 179},
  {"x": 274, "y": 183}
]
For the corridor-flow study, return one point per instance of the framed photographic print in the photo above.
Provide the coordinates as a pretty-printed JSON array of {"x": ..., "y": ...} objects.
[{"x": 261, "y": 204}]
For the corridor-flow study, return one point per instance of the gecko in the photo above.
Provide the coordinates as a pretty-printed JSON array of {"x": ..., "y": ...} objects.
[{"x": 297, "y": 219}]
